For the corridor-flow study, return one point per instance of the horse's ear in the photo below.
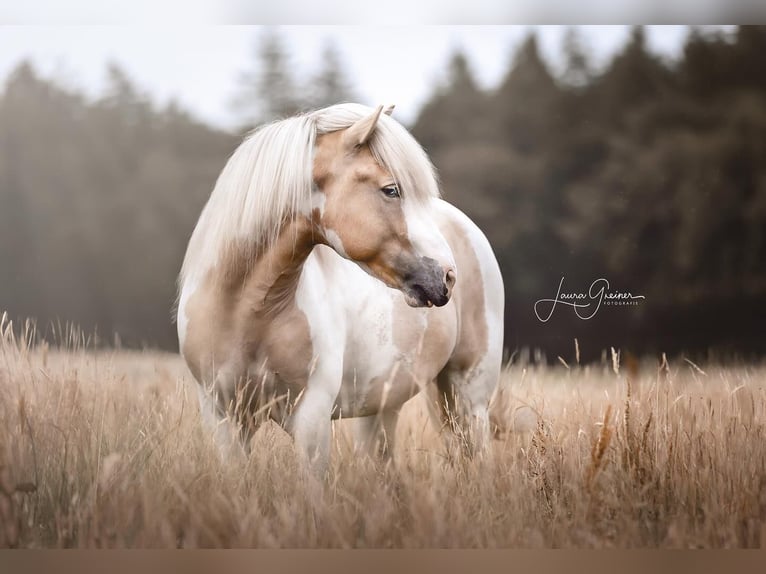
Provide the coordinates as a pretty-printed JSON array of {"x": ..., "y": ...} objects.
[
  {"x": 361, "y": 131},
  {"x": 389, "y": 109}
]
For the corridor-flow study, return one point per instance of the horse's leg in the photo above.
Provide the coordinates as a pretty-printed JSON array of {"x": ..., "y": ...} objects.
[
  {"x": 463, "y": 404},
  {"x": 377, "y": 433},
  {"x": 311, "y": 427},
  {"x": 227, "y": 407},
  {"x": 223, "y": 427}
]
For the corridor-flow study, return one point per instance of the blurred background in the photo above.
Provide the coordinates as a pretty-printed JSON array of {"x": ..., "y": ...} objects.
[{"x": 637, "y": 154}]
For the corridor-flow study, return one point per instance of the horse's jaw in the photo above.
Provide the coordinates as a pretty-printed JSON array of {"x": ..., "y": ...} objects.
[{"x": 416, "y": 301}]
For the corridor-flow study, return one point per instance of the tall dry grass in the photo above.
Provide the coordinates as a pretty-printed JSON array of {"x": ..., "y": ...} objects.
[{"x": 106, "y": 449}]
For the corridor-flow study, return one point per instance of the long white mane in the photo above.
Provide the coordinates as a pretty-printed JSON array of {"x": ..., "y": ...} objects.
[{"x": 268, "y": 179}]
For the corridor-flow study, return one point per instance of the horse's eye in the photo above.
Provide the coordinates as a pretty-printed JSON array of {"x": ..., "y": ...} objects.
[{"x": 391, "y": 190}]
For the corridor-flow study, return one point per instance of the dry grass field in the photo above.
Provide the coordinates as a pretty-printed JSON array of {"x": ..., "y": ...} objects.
[{"x": 107, "y": 450}]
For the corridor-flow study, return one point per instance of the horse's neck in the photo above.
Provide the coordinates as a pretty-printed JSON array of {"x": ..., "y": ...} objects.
[{"x": 272, "y": 278}]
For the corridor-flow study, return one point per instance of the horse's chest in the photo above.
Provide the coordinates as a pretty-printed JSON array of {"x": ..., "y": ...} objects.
[
  {"x": 391, "y": 354},
  {"x": 281, "y": 351}
]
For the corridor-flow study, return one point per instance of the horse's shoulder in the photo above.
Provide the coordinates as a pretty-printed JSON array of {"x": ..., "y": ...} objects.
[
  {"x": 478, "y": 293},
  {"x": 459, "y": 229},
  {"x": 455, "y": 223}
]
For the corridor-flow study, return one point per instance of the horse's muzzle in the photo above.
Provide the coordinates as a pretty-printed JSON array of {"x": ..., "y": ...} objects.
[{"x": 429, "y": 284}]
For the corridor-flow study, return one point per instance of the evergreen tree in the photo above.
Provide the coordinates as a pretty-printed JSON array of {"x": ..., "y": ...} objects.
[
  {"x": 456, "y": 112},
  {"x": 635, "y": 77},
  {"x": 750, "y": 44},
  {"x": 268, "y": 91},
  {"x": 577, "y": 70},
  {"x": 330, "y": 86},
  {"x": 704, "y": 67},
  {"x": 525, "y": 102}
]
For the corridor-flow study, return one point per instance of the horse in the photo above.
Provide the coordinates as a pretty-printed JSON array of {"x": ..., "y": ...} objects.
[{"x": 327, "y": 279}]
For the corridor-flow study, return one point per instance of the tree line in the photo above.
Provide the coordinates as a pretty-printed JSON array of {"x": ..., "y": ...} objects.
[{"x": 649, "y": 173}]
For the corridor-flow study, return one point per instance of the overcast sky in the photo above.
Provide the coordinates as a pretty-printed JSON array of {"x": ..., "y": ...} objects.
[
  {"x": 176, "y": 12},
  {"x": 200, "y": 65}
]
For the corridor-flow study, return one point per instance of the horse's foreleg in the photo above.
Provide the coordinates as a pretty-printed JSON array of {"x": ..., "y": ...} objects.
[
  {"x": 225, "y": 430},
  {"x": 311, "y": 428},
  {"x": 463, "y": 398},
  {"x": 377, "y": 433}
]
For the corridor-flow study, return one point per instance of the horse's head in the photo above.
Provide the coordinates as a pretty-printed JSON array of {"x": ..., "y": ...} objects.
[{"x": 367, "y": 216}]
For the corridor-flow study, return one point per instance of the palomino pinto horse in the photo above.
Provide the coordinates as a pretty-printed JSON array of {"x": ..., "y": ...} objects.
[{"x": 325, "y": 278}]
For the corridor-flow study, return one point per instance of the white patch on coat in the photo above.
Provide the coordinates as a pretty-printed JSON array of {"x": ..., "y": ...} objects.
[
  {"x": 350, "y": 314},
  {"x": 334, "y": 241},
  {"x": 317, "y": 202},
  {"x": 425, "y": 235},
  {"x": 311, "y": 423}
]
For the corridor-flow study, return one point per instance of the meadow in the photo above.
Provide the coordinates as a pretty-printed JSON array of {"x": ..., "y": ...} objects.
[{"x": 106, "y": 449}]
